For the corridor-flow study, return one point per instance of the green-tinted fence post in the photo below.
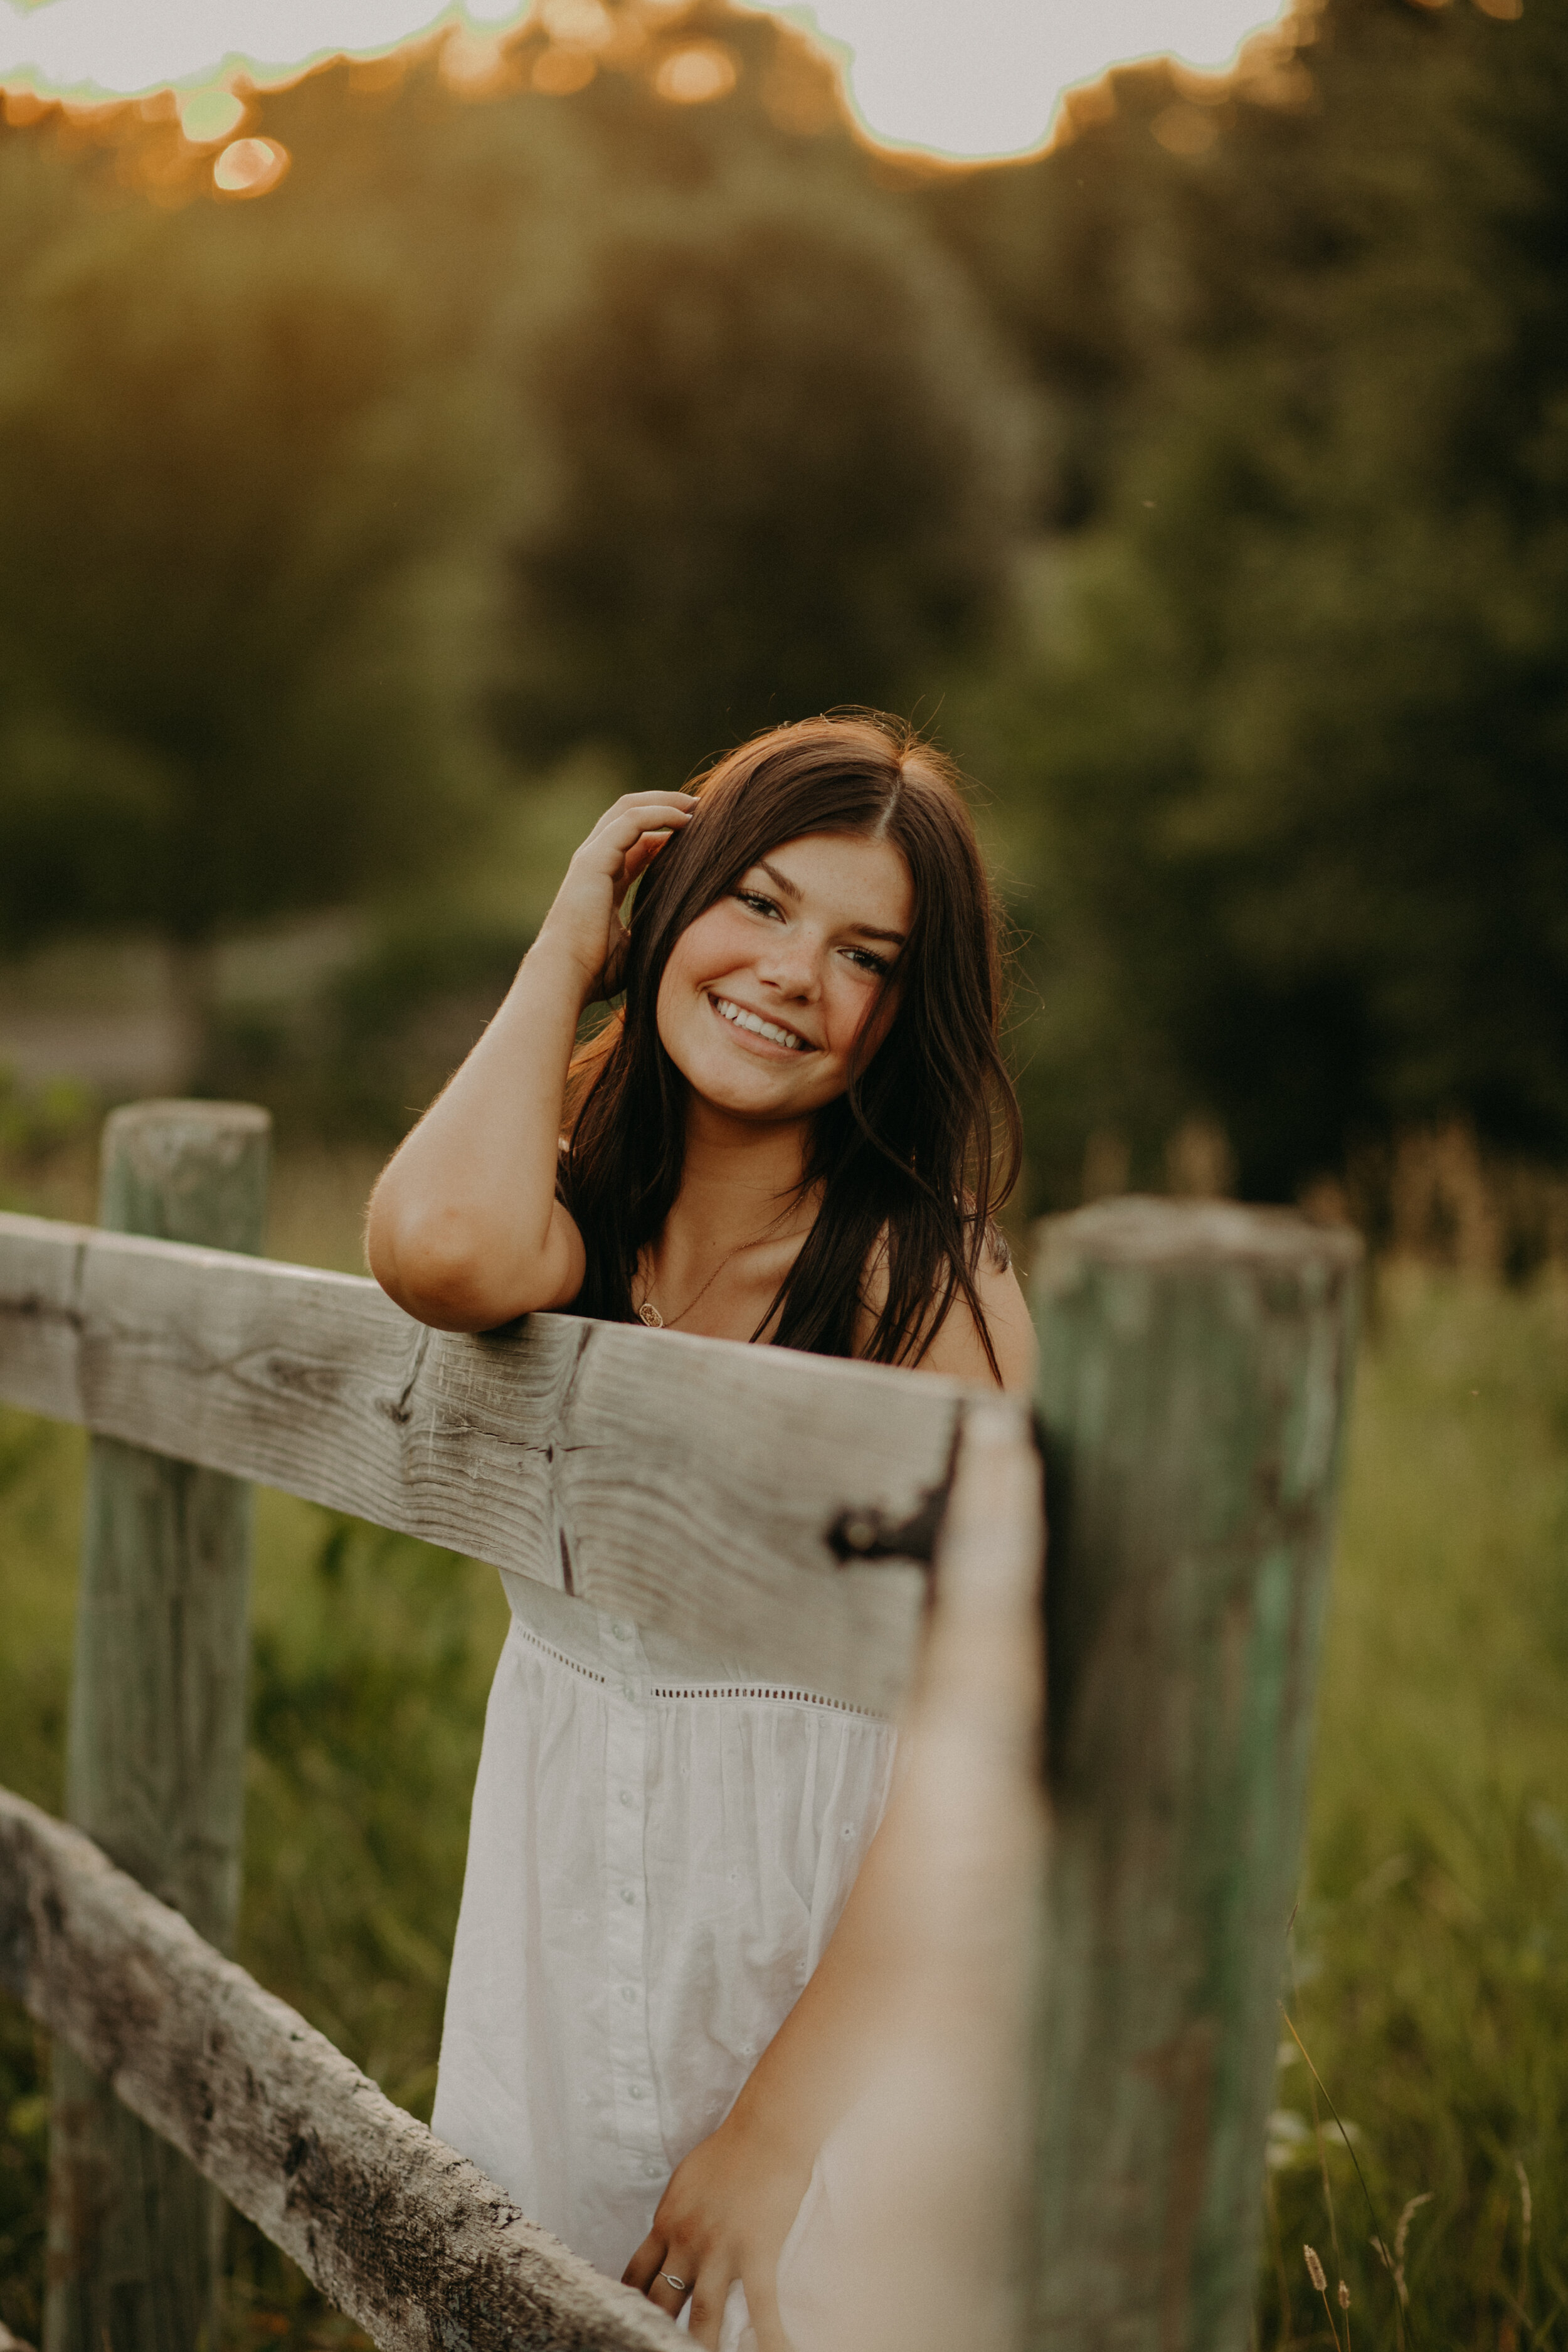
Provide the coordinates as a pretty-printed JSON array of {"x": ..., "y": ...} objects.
[
  {"x": 156, "y": 1757},
  {"x": 1195, "y": 1365}
]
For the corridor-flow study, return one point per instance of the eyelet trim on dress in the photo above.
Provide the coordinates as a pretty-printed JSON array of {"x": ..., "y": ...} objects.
[
  {"x": 757, "y": 1690},
  {"x": 701, "y": 1690},
  {"x": 589, "y": 1673}
]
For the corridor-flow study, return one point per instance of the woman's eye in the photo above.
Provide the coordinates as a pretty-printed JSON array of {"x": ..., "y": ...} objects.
[
  {"x": 759, "y": 904},
  {"x": 870, "y": 962}
]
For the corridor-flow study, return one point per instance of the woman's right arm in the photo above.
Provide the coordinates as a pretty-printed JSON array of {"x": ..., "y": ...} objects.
[{"x": 465, "y": 1230}]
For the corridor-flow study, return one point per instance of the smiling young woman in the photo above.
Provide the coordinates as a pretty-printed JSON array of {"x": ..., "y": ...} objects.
[{"x": 795, "y": 1130}]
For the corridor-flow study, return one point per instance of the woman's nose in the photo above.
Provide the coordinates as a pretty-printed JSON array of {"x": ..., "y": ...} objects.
[{"x": 791, "y": 965}]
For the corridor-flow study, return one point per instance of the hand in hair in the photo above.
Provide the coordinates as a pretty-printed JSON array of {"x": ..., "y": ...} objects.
[
  {"x": 585, "y": 924},
  {"x": 465, "y": 1230}
]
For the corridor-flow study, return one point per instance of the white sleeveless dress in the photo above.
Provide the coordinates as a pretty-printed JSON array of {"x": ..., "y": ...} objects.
[{"x": 659, "y": 1851}]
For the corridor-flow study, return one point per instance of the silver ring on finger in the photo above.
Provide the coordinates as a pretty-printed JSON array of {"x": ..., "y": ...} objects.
[{"x": 671, "y": 2279}]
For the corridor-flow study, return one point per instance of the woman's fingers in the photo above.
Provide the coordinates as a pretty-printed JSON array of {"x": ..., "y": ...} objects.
[
  {"x": 710, "y": 2293},
  {"x": 659, "y": 2271},
  {"x": 640, "y": 813},
  {"x": 644, "y": 2266},
  {"x": 617, "y": 853},
  {"x": 763, "y": 2305},
  {"x": 623, "y": 824},
  {"x": 643, "y": 852},
  {"x": 654, "y": 798},
  {"x": 673, "y": 2282}
]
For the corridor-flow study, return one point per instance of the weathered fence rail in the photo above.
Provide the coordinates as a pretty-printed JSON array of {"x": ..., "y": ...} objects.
[
  {"x": 402, "y": 2232},
  {"x": 784, "y": 1511},
  {"x": 707, "y": 1487}
]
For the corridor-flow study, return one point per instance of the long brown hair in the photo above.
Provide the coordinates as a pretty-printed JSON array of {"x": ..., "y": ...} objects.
[{"x": 923, "y": 1146}]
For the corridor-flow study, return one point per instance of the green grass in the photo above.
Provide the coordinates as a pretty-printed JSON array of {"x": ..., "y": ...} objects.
[
  {"x": 1432, "y": 1941},
  {"x": 1431, "y": 1945}
]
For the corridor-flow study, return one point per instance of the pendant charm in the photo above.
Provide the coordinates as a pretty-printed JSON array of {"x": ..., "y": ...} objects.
[{"x": 648, "y": 1313}]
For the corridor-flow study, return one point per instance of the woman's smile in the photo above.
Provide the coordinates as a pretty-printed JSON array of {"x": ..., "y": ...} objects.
[{"x": 753, "y": 1025}]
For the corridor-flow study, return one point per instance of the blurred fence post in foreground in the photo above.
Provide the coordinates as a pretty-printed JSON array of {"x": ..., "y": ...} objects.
[
  {"x": 156, "y": 1756},
  {"x": 1195, "y": 1367}
]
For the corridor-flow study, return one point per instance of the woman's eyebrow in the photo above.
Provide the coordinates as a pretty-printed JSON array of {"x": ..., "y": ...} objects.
[{"x": 792, "y": 890}]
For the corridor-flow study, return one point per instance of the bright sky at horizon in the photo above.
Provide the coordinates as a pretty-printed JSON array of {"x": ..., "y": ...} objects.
[{"x": 963, "y": 77}]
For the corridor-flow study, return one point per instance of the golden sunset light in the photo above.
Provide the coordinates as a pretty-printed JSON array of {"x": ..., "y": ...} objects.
[
  {"x": 783, "y": 807},
  {"x": 982, "y": 78},
  {"x": 969, "y": 79}
]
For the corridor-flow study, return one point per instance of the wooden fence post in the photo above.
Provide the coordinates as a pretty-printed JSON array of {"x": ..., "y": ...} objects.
[
  {"x": 1195, "y": 1363},
  {"x": 155, "y": 1758}
]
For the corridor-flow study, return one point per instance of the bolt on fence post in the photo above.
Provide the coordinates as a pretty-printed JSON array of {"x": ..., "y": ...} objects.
[
  {"x": 156, "y": 1756},
  {"x": 1194, "y": 1368}
]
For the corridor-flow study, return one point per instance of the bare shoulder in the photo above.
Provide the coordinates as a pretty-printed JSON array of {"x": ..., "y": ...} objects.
[{"x": 958, "y": 1351}]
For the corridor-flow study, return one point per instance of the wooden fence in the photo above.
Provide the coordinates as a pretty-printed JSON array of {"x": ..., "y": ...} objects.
[{"x": 1101, "y": 2023}]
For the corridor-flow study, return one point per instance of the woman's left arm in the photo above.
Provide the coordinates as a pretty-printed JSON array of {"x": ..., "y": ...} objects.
[{"x": 731, "y": 2204}]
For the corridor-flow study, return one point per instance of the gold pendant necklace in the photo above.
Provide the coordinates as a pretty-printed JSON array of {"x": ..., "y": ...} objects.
[{"x": 649, "y": 1314}]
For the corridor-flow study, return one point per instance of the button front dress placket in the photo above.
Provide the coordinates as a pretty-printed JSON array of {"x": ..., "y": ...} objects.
[{"x": 637, "y": 2126}]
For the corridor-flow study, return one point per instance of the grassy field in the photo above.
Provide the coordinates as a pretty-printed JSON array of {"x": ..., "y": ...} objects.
[
  {"x": 1431, "y": 1950},
  {"x": 1430, "y": 1959}
]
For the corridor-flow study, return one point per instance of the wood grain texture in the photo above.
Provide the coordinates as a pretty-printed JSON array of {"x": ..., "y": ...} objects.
[
  {"x": 156, "y": 1756},
  {"x": 41, "y": 1268},
  {"x": 691, "y": 1484},
  {"x": 407, "y": 2237},
  {"x": 1195, "y": 1363},
  {"x": 187, "y": 1172}
]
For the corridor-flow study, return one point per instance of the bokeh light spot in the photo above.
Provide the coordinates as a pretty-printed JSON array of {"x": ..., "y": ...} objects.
[
  {"x": 471, "y": 65},
  {"x": 208, "y": 116},
  {"x": 250, "y": 167},
  {"x": 559, "y": 72},
  {"x": 580, "y": 24},
  {"x": 1183, "y": 130},
  {"x": 694, "y": 75}
]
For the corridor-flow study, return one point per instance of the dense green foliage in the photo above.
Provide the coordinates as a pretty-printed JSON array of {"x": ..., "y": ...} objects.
[
  {"x": 1296, "y": 705},
  {"x": 1431, "y": 1947},
  {"x": 1205, "y": 475},
  {"x": 225, "y": 684}
]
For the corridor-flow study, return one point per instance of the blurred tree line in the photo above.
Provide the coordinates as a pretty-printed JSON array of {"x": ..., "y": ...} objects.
[
  {"x": 1296, "y": 694},
  {"x": 1204, "y": 479}
]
